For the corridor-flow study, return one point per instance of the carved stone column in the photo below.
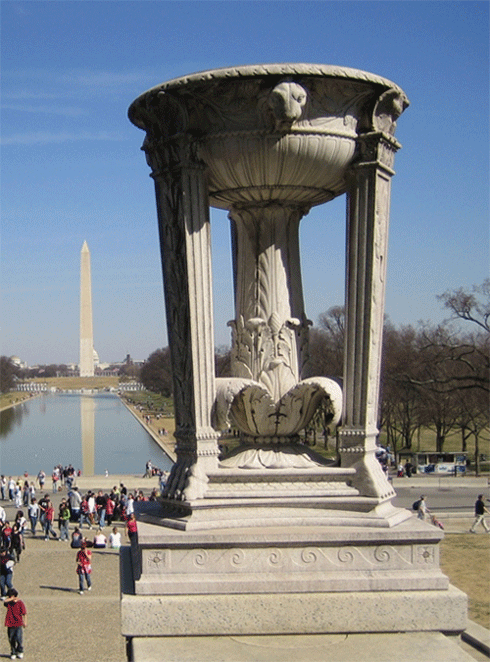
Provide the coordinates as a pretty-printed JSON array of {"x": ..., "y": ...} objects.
[
  {"x": 270, "y": 329},
  {"x": 183, "y": 218},
  {"x": 368, "y": 214}
]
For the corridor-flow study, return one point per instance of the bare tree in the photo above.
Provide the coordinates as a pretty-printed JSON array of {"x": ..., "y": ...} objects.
[
  {"x": 326, "y": 345},
  {"x": 401, "y": 397},
  {"x": 473, "y": 306}
]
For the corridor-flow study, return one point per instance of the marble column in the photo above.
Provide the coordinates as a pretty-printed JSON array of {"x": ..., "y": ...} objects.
[
  {"x": 368, "y": 211},
  {"x": 185, "y": 244}
]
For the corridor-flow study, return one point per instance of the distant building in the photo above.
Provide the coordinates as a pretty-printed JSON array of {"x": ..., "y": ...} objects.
[{"x": 17, "y": 362}]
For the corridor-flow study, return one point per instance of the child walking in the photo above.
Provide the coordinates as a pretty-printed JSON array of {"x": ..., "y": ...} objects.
[{"x": 15, "y": 620}]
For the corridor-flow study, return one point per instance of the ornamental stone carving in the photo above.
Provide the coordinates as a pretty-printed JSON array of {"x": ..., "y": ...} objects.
[{"x": 266, "y": 143}]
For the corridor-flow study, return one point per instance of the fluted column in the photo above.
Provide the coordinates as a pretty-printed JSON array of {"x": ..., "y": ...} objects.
[
  {"x": 185, "y": 244},
  {"x": 368, "y": 212}
]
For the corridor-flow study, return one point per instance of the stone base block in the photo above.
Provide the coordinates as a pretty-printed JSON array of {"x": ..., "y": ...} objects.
[
  {"x": 293, "y": 613},
  {"x": 294, "y": 559},
  {"x": 321, "y": 510},
  {"x": 413, "y": 647}
]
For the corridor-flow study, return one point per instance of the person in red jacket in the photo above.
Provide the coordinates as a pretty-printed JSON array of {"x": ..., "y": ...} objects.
[
  {"x": 132, "y": 527},
  {"x": 15, "y": 620},
  {"x": 84, "y": 567},
  {"x": 48, "y": 521},
  {"x": 109, "y": 510}
]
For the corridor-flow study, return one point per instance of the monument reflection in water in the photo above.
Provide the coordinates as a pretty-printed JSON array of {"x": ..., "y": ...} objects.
[{"x": 93, "y": 432}]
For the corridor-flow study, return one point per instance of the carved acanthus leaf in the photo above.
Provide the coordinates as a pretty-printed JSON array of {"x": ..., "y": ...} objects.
[{"x": 249, "y": 406}]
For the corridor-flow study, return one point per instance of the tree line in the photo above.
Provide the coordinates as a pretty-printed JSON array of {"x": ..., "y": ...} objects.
[{"x": 432, "y": 376}]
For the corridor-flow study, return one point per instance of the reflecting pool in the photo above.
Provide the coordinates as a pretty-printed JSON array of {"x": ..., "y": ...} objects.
[{"x": 94, "y": 433}]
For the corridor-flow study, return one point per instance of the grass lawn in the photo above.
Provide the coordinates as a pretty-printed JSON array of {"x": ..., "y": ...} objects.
[
  {"x": 13, "y": 398},
  {"x": 465, "y": 559},
  {"x": 153, "y": 402}
]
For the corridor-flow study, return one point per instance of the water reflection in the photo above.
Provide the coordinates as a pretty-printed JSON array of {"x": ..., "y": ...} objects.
[
  {"x": 93, "y": 433},
  {"x": 9, "y": 418},
  {"x": 87, "y": 417}
]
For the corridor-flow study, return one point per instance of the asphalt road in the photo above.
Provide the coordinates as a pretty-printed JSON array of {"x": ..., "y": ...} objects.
[{"x": 445, "y": 499}]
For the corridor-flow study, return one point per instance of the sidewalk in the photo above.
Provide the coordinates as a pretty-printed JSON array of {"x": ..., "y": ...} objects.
[
  {"x": 62, "y": 625},
  {"x": 441, "y": 481}
]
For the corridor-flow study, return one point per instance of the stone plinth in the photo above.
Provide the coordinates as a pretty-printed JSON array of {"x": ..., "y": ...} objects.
[
  {"x": 298, "y": 580},
  {"x": 293, "y": 559}
]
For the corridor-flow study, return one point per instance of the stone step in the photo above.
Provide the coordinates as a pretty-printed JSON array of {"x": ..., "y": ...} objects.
[{"x": 412, "y": 647}]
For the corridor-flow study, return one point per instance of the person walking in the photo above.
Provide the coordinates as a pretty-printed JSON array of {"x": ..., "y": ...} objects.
[
  {"x": 75, "y": 499},
  {"x": 84, "y": 514},
  {"x": 132, "y": 527},
  {"x": 84, "y": 567},
  {"x": 17, "y": 541},
  {"x": 48, "y": 521},
  {"x": 100, "y": 506},
  {"x": 480, "y": 510},
  {"x": 109, "y": 510},
  {"x": 41, "y": 477},
  {"x": 15, "y": 621},
  {"x": 34, "y": 512},
  {"x": 6, "y": 571},
  {"x": 64, "y": 520},
  {"x": 92, "y": 509},
  {"x": 55, "y": 476},
  {"x": 18, "y": 496},
  {"x": 422, "y": 509},
  {"x": 11, "y": 488},
  {"x": 26, "y": 494}
]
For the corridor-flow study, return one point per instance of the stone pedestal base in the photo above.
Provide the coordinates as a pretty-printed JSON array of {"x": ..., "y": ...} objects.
[
  {"x": 312, "y": 499},
  {"x": 293, "y": 580}
]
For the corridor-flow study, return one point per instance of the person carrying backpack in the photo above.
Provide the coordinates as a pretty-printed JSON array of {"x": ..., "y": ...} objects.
[{"x": 421, "y": 507}]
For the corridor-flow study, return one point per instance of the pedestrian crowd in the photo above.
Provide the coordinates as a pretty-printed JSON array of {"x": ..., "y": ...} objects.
[{"x": 40, "y": 518}]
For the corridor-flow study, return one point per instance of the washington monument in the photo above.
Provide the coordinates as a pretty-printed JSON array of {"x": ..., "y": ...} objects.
[{"x": 86, "y": 329}]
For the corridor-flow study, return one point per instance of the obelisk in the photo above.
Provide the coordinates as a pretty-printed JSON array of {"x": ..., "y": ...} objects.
[{"x": 86, "y": 328}]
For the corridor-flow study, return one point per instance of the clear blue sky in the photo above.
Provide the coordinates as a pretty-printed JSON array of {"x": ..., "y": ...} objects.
[{"x": 72, "y": 169}]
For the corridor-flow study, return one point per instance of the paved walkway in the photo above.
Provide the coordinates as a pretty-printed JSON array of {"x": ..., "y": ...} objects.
[{"x": 62, "y": 625}]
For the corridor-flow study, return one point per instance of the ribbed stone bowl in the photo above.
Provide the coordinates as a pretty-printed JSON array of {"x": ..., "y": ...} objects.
[{"x": 278, "y": 132}]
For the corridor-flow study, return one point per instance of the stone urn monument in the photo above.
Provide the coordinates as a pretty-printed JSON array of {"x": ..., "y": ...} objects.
[{"x": 266, "y": 143}]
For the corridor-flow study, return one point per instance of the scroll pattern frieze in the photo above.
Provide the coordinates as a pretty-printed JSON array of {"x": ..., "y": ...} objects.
[{"x": 291, "y": 559}]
